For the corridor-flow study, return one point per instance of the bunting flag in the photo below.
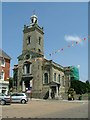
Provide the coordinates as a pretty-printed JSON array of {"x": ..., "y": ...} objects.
[
  {"x": 76, "y": 42},
  {"x": 73, "y": 43},
  {"x": 58, "y": 50},
  {"x": 84, "y": 38},
  {"x": 68, "y": 45},
  {"x": 62, "y": 49},
  {"x": 80, "y": 40}
]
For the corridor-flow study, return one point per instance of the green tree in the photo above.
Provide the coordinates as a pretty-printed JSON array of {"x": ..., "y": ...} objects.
[
  {"x": 87, "y": 82},
  {"x": 10, "y": 83},
  {"x": 88, "y": 86},
  {"x": 79, "y": 86}
]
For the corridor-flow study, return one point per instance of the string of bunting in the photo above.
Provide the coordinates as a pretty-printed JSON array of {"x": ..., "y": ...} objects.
[
  {"x": 70, "y": 45},
  {"x": 59, "y": 50}
]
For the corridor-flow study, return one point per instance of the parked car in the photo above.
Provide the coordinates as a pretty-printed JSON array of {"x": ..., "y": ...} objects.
[
  {"x": 19, "y": 98},
  {"x": 4, "y": 99}
]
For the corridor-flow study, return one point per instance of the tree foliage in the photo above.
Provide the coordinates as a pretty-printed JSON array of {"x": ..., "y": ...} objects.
[
  {"x": 80, "y": 87},
  {"x": 10, "y": 83}
]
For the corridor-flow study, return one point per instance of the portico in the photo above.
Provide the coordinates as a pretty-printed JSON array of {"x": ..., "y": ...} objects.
[{"x": 54, "y": 90}]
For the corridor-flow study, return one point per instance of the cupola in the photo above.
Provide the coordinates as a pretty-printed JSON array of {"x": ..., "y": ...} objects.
[{"x": 34, "y": 19}]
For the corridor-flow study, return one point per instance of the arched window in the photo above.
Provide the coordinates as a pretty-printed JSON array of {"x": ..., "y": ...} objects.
[
  {"x": 45, "y": 78},
  {"x": 63, "y": 82},
  {"x": 39, "y": 50},
  {"x": 27, "y": 56},
  {"x": 54, "y": 76},
  {"x": 27, "y": 68},
  {"x": 39, "y": 40},
  {"x": 59, "y": 78},
  {"x": 28, "y": 40}
]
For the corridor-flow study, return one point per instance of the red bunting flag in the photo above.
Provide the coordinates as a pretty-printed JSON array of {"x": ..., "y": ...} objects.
[
  {"x": 80, "y": 40},
  {"x": 84, "y": 38},
  {"x": 69, "y": 45},
  {"x": 73, "y": 44}
]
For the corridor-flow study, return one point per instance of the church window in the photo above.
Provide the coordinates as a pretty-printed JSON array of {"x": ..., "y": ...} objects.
[
  {"x": 28, "y": 40},
  {"x": 42, "y": 67},
  {"x": 38, "y": 67},
  {"x": 59, "y": 78},
  {"x": 39, "y": 40},
  {"x": 27, "y": 56},
  {"x": 39, "y": 50},
  {"x": 45, "y": 78},
  {"x": 63, "y": 82},
  {"x": 27, "y": 68},
  {"x": 32, "y": 20},
  {"x": 54, "y": 76}
]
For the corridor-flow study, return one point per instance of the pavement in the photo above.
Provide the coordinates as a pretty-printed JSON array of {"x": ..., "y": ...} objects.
[
  {"x": 81, "y": 101},
  {"x": 39, "y": 108}
]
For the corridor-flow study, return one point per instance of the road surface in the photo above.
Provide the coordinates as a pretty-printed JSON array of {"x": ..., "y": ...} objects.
[{"x": 46, "y": 109}]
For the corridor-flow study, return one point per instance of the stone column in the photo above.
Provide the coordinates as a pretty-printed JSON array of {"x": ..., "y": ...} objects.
[
  {"x": 23, "y": 86},
  {"x": 25, "y": 69},
  {"x": 30, "y": 83},
  {"x": 50, "y": 93},
  {"x": 56, "y": 91}
]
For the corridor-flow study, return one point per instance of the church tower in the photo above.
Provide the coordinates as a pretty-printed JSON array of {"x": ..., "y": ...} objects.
[
  {"x": 33, "y": 38},
  {"x": 34, "y": 74},
  {"x": 29, "y": 74}
]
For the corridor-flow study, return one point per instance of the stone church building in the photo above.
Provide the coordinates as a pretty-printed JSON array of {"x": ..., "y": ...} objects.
[{"x": 34, "y": 74}]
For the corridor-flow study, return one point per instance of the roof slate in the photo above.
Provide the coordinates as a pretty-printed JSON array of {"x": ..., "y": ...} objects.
[{"x": 3, "y": 54}]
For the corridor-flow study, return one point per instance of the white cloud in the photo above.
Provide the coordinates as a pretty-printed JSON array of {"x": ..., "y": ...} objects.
[{"x": 70, "y": 38}]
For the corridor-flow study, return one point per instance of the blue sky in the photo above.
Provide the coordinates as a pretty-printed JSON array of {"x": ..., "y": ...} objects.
[{"x": 58, "y": 19}]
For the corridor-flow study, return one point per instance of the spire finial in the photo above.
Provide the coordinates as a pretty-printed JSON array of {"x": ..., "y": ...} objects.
[{"x": 34, "y": 18}]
